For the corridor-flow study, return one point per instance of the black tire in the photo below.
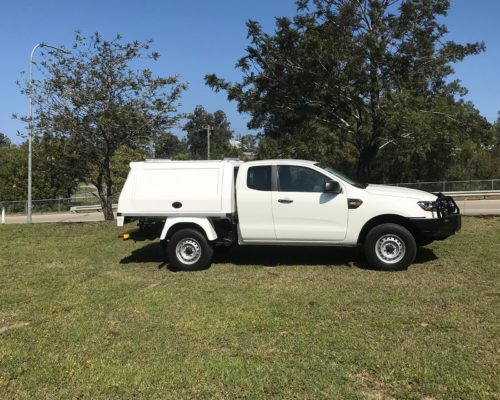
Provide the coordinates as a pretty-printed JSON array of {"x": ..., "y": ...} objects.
[
  {"x": 189, "y": 250},
  {"x": 390, "y": 247}
]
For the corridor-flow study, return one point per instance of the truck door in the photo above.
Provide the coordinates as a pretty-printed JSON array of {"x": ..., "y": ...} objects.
[
  {"x": 302, "y": 211},
  {"x": 254, "y": 202}
]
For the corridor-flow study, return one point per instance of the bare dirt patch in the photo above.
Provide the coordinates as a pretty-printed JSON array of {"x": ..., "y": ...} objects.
[
  {"x": 12, "y": 325},
  {"x": 371, "y": 386}
]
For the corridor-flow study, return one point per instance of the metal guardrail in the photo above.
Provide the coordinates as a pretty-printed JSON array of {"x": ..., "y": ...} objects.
[
  {"x": 454, "y": 186},
  {"x": 97, "y": 207},
  {"x": 485, "y": 193}
]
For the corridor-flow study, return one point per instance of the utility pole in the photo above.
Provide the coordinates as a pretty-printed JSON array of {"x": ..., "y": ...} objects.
[{"x": 208, "y": 141}]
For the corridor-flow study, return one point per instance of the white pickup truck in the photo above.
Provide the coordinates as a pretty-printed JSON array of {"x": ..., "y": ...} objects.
[{"x": 194, "y": 206}]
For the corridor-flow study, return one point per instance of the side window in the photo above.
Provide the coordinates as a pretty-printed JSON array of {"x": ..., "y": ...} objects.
[
  {"x": 293, "y": 178},
  {"x": 259, "y": 178}
]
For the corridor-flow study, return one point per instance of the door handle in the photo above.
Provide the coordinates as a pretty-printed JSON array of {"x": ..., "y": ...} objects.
[{"x": 285, "y": 201}]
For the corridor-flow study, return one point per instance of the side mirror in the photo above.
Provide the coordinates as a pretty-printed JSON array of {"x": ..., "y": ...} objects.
[{"x": 332, "y": 187}]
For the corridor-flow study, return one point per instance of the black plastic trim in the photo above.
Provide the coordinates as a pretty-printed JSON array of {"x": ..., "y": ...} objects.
[
  {"x": 438, "y": 228},
  {"x": 446, "y": 205},
  {"x": 352, "y": 204}
]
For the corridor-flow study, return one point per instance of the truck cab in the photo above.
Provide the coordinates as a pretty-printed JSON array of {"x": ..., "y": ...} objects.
[{"x": 287, "y": 202}]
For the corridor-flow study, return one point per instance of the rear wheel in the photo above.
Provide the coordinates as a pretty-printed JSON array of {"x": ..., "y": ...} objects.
[
  {"x": 189, "y": 250},
  {"x": 390, "y": 247}
]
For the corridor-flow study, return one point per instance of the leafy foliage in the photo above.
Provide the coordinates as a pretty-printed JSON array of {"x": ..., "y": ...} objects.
[
  {"x": 98, "y": 101},
  {"x": 4, "y": 140},
  {"x": 57, "y": 169},
  {"x": 220, "y": 134},
  {"x": 170, "y": 146},
  {"x": 13, "y": 173},
  {"x": 340, "y": 72},
  {"x": 249, "y": 142},
  {"x": 443, "y": 143},
  {"x": 121, "y": 164}
]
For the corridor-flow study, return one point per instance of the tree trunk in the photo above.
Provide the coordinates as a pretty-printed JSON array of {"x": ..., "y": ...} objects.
[
  {"x": 107, "y": 207},
  {"x": 107, "y": 200},
  {"x": 104, "y": 185},
  {"x": 375, "y": 50},
  {"x": 365, "y": 160}
]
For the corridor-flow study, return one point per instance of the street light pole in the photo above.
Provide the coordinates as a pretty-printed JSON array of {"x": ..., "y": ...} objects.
[
  {"x": 208, "y": 141},
  {"x": 30, "y": 125}
]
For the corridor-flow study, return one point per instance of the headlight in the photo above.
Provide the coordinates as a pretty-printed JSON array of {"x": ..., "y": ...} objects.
[{"x": 428, "y": 205}]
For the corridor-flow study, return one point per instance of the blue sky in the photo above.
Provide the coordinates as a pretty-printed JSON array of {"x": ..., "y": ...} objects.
[{"x": 196, "y": 37}]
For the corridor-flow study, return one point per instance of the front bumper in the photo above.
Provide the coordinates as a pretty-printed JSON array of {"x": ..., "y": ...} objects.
[{"x": 438, "y": 228}]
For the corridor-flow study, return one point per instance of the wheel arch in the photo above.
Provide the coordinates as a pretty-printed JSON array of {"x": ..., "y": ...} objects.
[
  {"x": 387, "y": 219},
  {"x": 201, "y": 224}
]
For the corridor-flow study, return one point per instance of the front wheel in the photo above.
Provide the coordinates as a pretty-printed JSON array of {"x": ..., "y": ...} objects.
[
  {"x": 390, "y": 247},
  {"x": 189, "y": 250}
]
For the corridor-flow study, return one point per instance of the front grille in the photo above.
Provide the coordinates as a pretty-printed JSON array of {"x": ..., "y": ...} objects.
[{"x": 446, "y": 205}]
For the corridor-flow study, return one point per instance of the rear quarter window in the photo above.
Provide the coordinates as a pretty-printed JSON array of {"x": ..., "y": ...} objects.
[{"x": 259, "y": 178}]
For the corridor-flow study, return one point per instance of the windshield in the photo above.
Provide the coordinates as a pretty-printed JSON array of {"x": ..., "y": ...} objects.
[{"x": 329, "y": 169}]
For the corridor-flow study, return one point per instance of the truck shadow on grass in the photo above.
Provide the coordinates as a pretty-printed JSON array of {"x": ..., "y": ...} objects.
[
  {"x": 274, "y": 256},
  {"x": 150, "y": 253}
]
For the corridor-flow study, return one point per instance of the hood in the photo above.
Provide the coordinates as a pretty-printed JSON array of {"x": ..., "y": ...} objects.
[{"x": 397, "y": 191}]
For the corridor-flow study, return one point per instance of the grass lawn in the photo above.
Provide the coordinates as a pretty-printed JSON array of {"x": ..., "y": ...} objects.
[{"x": 84, "y": 315}]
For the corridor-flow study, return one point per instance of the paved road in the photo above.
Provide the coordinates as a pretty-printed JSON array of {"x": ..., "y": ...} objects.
[
  {"x": 469, "y": 207},
  {"x": 479, "y": 207}
]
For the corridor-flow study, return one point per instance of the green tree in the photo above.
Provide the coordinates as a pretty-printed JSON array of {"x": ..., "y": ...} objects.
[
  {"x": 97, "y": 99},
  {"x": 13, "y": 173},
  {"x": 430, "y": 146},
  {"x": 57, "y": 169},
  {"x": 488, "y": 164},
  {"x": 4, "y": 140},
  {"x": 170, "y": 146},
  {"x": 220, "y": 134},
  {"x": 249, "y": 142},
  {"x": 121, "y": 164},
  {"x": 328, "y": 79}
]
